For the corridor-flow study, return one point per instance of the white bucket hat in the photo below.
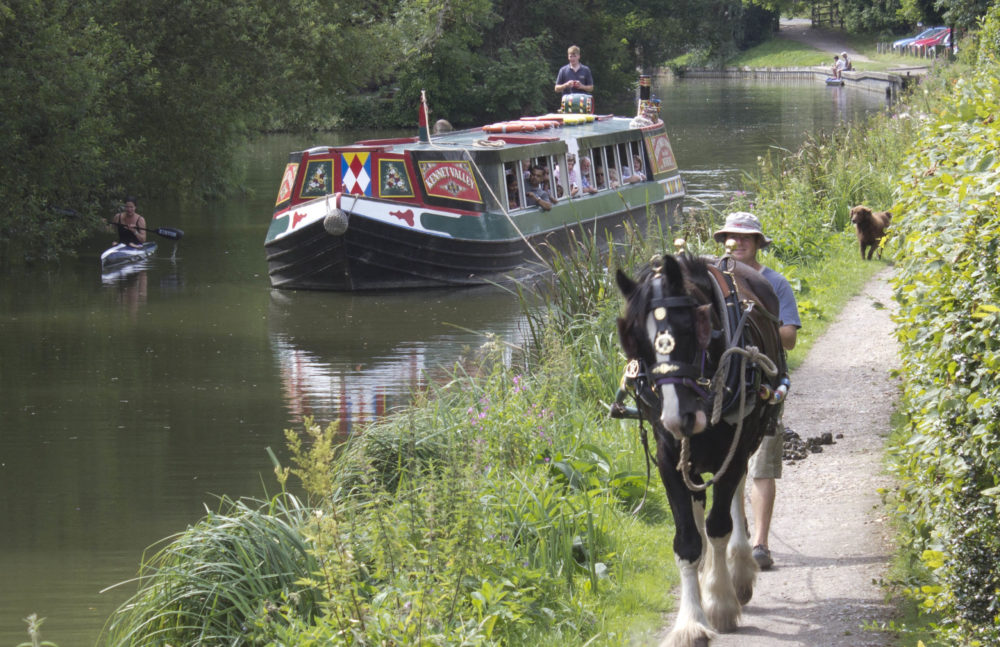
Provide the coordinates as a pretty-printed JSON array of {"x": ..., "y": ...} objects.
[{"x": 742, "y": 222}]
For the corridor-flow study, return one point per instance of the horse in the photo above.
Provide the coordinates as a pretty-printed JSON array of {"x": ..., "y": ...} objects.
[{"x": 706, "y": 370}]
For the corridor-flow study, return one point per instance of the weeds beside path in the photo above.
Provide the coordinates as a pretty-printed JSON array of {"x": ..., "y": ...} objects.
[{"x": 829, "y": 538}]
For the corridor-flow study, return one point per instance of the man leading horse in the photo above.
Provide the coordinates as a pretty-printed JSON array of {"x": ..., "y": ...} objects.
[
  {"x": 707, "y": 372},
  {"x": 745, "y": 230}
]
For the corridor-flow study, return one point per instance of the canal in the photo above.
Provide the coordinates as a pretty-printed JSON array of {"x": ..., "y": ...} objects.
[{"x": 129, "y": 403}]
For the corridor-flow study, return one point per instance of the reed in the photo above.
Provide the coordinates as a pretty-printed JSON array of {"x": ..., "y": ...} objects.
[{"x": 222, "y": 580}]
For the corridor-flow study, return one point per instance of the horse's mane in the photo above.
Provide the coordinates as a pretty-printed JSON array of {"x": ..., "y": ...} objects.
[{"x": 695, "y": 270}]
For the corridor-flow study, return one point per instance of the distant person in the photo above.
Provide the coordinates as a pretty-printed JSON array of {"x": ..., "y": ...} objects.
[
  {"x": 574, "y": 77},
  {"x": 130, "y": 225},
  {"x": 442, "y": 126},
  {"x": 838, "y": 67},
  {"x": 848, "y": 66},
  {"x": 536, "y": 192}
]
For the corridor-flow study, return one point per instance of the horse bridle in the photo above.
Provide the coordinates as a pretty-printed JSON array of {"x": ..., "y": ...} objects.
[{"x": 686, "y": 374}]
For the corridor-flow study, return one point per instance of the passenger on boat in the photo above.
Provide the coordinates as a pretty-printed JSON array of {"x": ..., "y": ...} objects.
[
  {"x": 574, "y": 77},
  {"x": 442, "y": 126},
  {"x": 613, "y": 181},
  {"x": 512, "y": 197},
  {"x": 130, "y": 225},
  {"x": 599, "y": 174},
  {"x": 585, "y": 184},
  {"x": 536, "y": 192},
  {"x": 633, "y": 174},
  {"x": 574, "y": 177}
]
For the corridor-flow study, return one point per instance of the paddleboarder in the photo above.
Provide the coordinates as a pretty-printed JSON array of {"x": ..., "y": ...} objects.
[{"x": 131, "y": 226}]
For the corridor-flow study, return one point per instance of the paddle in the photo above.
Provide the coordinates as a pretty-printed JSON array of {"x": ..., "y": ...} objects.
[{"x": 166, "y": 232}]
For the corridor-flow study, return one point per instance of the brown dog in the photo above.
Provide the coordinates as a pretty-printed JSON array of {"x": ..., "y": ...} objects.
[{"x": 871, "y": 226}]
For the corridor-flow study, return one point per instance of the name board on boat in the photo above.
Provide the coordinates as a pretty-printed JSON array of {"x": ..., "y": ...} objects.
[
  {"x": 394, "y": 179},
  {"x": 453, "y": 180},
  {"x": 660, "y": 153},
  {"x": 318, "y": 180},
  {"x": 287, "y": 182}
]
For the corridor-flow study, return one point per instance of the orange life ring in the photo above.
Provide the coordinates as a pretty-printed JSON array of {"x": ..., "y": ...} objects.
[
  {"x": 546, "y": 123},
  {"x": 510, "y": 127}
]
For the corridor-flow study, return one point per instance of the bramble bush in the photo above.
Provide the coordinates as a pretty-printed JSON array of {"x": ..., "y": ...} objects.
[{"x": 948, "y": 289}]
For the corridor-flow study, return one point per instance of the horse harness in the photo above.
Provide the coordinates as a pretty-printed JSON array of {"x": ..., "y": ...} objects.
[{"x": 727, "y": 387}]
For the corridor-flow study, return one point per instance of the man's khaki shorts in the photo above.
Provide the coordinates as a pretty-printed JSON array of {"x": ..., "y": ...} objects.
[{"x": 766, "y": 462}]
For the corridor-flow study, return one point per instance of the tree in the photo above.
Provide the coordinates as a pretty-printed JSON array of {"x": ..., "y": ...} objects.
[{"x": 53, "y": 163}]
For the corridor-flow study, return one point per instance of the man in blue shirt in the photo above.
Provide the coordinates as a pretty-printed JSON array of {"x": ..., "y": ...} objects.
[
  {"x": 748, "y": 237},
  {"x": 574, "y": 77}
]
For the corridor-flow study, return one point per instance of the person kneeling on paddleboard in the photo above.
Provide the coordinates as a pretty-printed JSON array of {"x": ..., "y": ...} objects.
[{"x": 131, "y": 226}]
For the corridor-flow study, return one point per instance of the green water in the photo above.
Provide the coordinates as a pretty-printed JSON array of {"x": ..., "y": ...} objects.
[{"x": 128, "y": 403}]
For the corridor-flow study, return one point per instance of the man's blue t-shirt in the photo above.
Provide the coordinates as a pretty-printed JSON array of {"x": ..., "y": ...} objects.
[
  {"x": 567, "y": 73},
  {"x": 788, "y": 310}
]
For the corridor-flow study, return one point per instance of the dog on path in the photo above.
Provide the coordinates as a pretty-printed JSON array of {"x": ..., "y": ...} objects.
[{"x": 871, "y": 226}]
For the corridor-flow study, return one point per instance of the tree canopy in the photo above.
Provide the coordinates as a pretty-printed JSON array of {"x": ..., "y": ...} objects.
[{"x": 152, "y": 97}]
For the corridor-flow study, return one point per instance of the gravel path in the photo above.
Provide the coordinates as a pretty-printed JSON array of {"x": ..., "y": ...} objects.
[
  {"x": 829, "y": 539},
  {"x": 830, "y": 542},
  {"x": 801, "y": 30}
]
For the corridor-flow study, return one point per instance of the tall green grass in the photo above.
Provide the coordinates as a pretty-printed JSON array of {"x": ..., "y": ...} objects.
[{"x": 222, "y": 580}]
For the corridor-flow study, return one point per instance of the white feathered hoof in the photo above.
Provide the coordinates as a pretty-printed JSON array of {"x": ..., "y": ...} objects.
[
  {"x": 335, "y": 222},
  {"x": 694, "y": 635}
]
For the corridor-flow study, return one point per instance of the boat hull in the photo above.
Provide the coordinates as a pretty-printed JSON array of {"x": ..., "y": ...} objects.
[
  {"x": 376, "y": 255},
  {"x": 120, "y": 255}
]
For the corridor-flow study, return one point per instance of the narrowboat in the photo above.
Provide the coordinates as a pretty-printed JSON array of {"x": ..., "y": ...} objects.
[{"x": 453, "y": 209}]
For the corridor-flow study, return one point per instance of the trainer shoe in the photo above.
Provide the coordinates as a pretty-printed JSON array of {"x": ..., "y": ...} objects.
[{"x": 762, "y": 556}]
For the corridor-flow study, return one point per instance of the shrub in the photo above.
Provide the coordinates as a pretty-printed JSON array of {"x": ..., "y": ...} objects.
[{"x": 948, "y": 288}]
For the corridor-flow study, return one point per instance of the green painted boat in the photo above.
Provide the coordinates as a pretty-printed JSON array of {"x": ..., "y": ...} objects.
[{"x": 454, "y": 209}]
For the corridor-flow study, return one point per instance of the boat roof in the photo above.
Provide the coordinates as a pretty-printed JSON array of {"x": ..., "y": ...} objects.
[{"x": 602, "y": 131}]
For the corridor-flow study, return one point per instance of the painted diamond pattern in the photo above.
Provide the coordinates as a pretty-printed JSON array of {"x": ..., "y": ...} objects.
[{"x": 356, "y": 173}]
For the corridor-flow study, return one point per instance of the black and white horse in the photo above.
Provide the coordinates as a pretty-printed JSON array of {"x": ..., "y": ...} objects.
[{"x": 705, "y": 358}]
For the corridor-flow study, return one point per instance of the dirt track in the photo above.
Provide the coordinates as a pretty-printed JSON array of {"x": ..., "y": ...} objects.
[{"x": 829, "y": 539}]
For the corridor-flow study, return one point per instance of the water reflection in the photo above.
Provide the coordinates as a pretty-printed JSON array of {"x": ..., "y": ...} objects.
[{"x": 351, "y": 358}]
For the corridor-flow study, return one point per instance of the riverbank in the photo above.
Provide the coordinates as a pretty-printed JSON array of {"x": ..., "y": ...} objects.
[
  {"x": 890, "y": 84},
  {"x": 810, "y": 48}
]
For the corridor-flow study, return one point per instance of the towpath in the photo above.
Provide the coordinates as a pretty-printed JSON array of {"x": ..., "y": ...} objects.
[{"x": 829, "y": 537}]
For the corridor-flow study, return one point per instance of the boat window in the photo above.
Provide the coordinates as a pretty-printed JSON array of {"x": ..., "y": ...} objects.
[
  {"x": 600, "y": 164},
  {"x": 551, "y": 183},
  {"x": 630, "y": 160},
  {"x": 587, "y": 182},
  {"x": 512, "y": 186}
]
